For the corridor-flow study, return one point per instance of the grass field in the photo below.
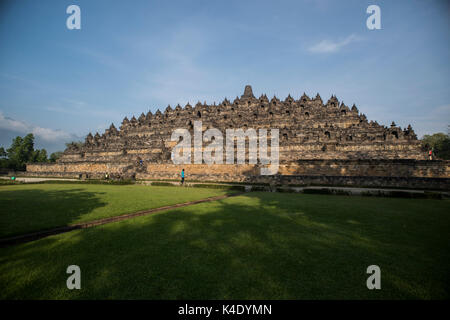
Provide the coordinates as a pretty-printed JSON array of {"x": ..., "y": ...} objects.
[
  {"x": 254, "y": 246},
  {"x": 32, "y": 207}
]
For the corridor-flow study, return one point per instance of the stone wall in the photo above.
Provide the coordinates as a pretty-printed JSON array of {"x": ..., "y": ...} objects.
[
  {"x": 75, "y": 169},
  {"x": 382, "y": 173},
  {"x": 385, "y": 168}
]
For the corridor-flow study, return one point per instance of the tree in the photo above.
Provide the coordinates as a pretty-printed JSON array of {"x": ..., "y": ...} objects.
[
  {"x": 439, "y": 143},
  {"x": 40, "y": 156},
  {"x": 21, "y": 152},
  {"x": 55, "y": 156},
  {"x": 4, "y": 163}
]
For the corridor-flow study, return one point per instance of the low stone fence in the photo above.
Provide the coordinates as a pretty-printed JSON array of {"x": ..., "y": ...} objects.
[{"x": 421, "y": 174}]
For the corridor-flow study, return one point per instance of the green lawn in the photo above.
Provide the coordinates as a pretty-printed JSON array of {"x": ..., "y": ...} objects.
[
  {"x": 26, "y": 208},
  {"x": 8, "y": 182},
  {"x": 255, "y": 246}
]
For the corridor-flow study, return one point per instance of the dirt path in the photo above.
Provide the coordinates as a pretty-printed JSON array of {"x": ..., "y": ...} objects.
[{"x": 28, "y": 237}]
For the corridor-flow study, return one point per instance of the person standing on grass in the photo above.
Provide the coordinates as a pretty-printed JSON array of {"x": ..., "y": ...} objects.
[{"x": 182, "y": 177}]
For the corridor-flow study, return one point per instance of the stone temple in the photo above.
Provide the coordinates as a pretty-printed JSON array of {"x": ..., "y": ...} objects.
[{"x": 320, "y": 143}]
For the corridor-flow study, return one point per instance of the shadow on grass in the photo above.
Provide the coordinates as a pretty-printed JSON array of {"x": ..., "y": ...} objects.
[
  {"x": 44, "y": 209},
  {"x": 257, "y": 246}
]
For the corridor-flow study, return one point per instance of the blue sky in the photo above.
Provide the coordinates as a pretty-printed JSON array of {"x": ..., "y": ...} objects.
[{"x": 133, "y": 56}]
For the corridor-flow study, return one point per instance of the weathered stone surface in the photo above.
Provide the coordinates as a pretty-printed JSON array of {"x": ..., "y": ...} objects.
[
  {"x": 420, "y": 174},
  {"x": 316, "y": 139}
]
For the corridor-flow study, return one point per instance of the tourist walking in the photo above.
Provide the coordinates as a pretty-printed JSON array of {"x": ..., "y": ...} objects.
[{"x": 182, "y": 177}]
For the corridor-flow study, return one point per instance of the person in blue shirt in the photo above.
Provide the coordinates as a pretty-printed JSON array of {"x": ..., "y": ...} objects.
[{"x": 182, "y": 176}]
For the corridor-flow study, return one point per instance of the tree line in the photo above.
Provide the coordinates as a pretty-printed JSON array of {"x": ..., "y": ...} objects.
[
  {"x": 22, "y": 152},
  {"x": 439, "y": 143}
]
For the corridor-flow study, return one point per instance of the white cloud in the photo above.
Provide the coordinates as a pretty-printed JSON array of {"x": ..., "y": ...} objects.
[
  {"x": 327, "y": 46},
  {"x": 46, "y": 134}
]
